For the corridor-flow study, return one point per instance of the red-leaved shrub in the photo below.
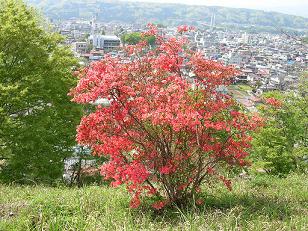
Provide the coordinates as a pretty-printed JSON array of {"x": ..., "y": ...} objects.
[{"x": 169, "y": 127}]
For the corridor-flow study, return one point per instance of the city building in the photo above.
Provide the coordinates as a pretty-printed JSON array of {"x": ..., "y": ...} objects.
[{"x": 105, "y": 42}]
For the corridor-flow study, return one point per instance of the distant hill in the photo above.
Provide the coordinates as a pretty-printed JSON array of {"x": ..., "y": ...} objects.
[{"x": 174, "y": 14}]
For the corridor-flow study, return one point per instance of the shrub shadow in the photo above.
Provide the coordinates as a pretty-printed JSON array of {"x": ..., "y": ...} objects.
[
  {"x": 252, "y": 206},
  {"x": 248, "y": 207}
]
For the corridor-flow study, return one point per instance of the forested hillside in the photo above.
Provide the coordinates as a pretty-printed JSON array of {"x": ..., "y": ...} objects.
[{"x": 165, "y": 13}]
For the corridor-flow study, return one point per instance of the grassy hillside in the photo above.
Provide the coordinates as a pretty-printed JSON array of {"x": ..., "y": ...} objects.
[
  {"x": 261, "y": 203},
  {"x": 165, "y": 13}
]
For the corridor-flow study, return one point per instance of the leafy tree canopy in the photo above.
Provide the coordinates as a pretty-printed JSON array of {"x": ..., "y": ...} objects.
[
  {"x": 282, "y": 144},
  {"x": 135, "y": 37},
  {"x": 37, "y": 119}
]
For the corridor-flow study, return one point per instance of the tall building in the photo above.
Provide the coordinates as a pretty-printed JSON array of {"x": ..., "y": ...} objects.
[
  {"x": 213, "y": 21},
  {"x": 105, "y": 42},
  {"x": 245, "y": 38},
  {"x": 102, "y": 42}
]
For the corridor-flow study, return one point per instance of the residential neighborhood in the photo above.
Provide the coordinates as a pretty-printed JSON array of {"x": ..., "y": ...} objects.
[{"x": 265, "y": 61}]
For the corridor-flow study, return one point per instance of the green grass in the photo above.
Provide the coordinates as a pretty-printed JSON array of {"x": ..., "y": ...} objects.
[
  {"x": 240, "y": 87},
  {"x": 244, "y": 87},
  {"x": 260, "y": 203}
]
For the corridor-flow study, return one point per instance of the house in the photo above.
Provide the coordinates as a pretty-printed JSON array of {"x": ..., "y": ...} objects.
[{"x": 80, "y": 47}]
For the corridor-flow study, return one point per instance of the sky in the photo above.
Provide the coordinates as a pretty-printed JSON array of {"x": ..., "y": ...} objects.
[{"x": 295, "y": 7}]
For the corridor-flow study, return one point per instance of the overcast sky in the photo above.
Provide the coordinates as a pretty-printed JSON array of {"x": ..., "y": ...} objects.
[{"x": 296, "y": 7}]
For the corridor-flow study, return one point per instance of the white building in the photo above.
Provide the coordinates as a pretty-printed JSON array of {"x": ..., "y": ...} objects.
[
  {"x": 105, "y": 42},
  {"x": 80, "y": 47},
  {"x": 245, "y": 38}
]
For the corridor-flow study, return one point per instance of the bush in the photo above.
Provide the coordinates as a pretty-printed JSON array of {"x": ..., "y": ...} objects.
[
  {"x": 281, "y": 145},
  {"x": 168, "y": 128}
]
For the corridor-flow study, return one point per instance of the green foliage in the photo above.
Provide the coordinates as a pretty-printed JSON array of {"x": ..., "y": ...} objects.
[
  {"x": 261, "y": 203},
  {"x": 282, "y": 145},
  {"x": 135, "y": 37},
  {"x": 131, "y": 38},
  {"x": 37, "y": 119}
]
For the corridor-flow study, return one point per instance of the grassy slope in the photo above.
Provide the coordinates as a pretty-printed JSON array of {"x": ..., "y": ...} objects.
[{"x": 262, "y": 203}]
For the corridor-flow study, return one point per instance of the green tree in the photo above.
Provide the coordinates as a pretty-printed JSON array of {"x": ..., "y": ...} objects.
[
  {"x": 282, "y": 145},
  {"x": 131, "y": 38},
  {"x": 135, "y": 37},
  {"x": 37, "y": 119}
]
